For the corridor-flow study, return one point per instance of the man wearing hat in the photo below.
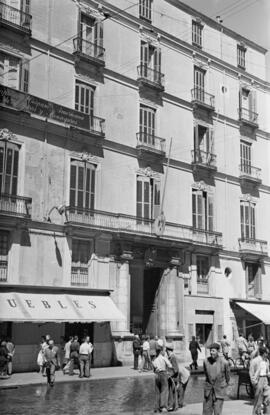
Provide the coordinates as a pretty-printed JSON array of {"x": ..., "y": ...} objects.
[
  {"x": 217, "y": 374},
  {"x": 173, "y": 378}
]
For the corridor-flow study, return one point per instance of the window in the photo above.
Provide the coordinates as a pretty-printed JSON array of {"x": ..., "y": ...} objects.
[
  {"x": 150, "y": 62},
  {"x": 241, "y": 56},
  {"x": 148, "y": 197},
  {"x": 204, "y": 334},
  {"x": 4, "y": 247},
  {"x": 197, "y": 33},
  {"x": 248, "y": 104},
  {"x": 245, "y": 157},
  {"x": 247, "y": 214},
  {"x": 14, "y": 72},
  {"x": 147, "y": 125},
  {"x": 84, "y": 99},
  {"x": 202, "y": 210},
  {"x": 253, "y": 279},
  {"x": 203, "y": 144},
  {"x": 82, "y": 185},
  {"x": 91, "y": 35},
  {"x": 81, "y": 255},
  {"x": 202, "y": 270},
  {"x": 145, "y": 9},
  {"x": 9, "y": 161},
  {"x": 199, "y": 78}
]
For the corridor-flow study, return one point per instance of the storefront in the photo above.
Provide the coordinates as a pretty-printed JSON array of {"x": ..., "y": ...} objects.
[{"x": 27, "y": 313}]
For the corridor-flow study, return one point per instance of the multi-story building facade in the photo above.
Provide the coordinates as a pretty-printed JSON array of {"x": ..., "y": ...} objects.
[{"x": 134, "y": 176}]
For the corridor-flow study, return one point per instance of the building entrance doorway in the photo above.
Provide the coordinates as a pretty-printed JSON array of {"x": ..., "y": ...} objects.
[
  {"x": 204, "y": 334},
  {"x": 151, "y": 285}
]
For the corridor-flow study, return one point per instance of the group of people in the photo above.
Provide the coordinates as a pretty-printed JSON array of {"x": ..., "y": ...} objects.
[
  {"x": 145, "y": 351},
  {"x": 7, "y": 351},
  {"x": 71, "y": 354}
]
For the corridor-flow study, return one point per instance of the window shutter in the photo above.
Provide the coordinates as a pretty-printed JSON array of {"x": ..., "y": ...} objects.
[
  {"x": 242, "y": 220},
  {"x": 156, "y": 199},
  {"x": 252, "y": 221},
  {"x": 210, "y": 212},
  {"x": 240, "y": 101},
  {"x": 24, "y": 76},
  {"x": 198, "y": 209},
  {"x": 253, "y": 101},
  {"x": 157, "y": 59},
  {"x": 258, "y": 283}
]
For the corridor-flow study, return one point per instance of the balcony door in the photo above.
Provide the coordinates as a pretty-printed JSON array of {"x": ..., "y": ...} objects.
[
  {"x": 82, "y": 186},
  {"x": 202, "y": 210},
  {"x": 147, "y": 125},
  {"x": 150, "y": 62},
  {"x": 91, "y": 34},
  {"x": 203, "y": 143},
  {"x": 253, "y": 280},
  {"x": 247, "y": 103},
  {"x": 12, "y": 13},
  {"x": 148, "y": 197},
  {"x": 9, "y": 163},
  {"x": 247, "y": 214},
  {"x": 245, "y": 157},
  {"x": 199, "y": 83}
]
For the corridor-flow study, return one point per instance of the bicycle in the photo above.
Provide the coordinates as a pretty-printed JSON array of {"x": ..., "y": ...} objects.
[
  {"x": 230, "y": 360},
  {"x": 243, "y": 361}
]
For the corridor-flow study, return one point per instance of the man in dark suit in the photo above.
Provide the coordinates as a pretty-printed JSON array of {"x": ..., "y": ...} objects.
[
  {"x": 217, "y": 374},
  {"x": 52, "y": 361}
]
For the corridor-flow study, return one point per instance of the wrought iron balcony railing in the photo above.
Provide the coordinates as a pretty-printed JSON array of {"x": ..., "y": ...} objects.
[
  {"x": 199, "y": 95},
  {"x": 79, "y": 276},
  {"x": 248, "y": 115},
  {"x": 253, "y": 246},
  {"x": 93, "y": 50},
  {"x": 203, "y": 158},
  {"x": 119, "y": 222},
  {"x": 151, "y": 75},
  {"x": 3, "y": 270},
  {"x": 15, "y": 17},
  {"x": 15, "y": 205},
  {"x": 151, "y": 141},
  {"x": 246, "y": 170}
]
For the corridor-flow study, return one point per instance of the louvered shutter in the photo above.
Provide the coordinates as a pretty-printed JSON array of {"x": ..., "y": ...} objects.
[
  {"x": 24, "y": 76},
  {"x": 156, "y": 198},
  {"x": 210, "y": 212}
]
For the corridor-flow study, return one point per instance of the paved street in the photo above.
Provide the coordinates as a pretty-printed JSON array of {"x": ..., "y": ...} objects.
[{"x": 111, "y": 390}]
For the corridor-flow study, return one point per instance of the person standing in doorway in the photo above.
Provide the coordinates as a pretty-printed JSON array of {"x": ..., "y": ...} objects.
[
  {"x": 74, "y": 355},
  {"x": 52, "y": 361},
  {"x": 136, "y": 351},
  {"x": 217, "y": 377},
  {"x": 193, "y": 348}
]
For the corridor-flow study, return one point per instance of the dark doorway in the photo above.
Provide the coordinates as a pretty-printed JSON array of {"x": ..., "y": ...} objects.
[
  {"x": 151, "y": 281},
  {"x": 204, "y": 334},
  {"x": 79, "y": 329}
]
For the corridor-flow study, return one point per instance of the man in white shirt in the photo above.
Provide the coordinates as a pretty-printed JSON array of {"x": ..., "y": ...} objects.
[
  {"x": 259, "y": 372},
  {"x": 161, "y": 365},
  {"x": 85, "y": 351},
  {"x": 67, "y": 355}
]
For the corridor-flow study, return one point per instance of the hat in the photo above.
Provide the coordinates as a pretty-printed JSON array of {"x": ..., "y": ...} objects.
[
  {"x": 214, "y": 346},
  {"x": 169, "y": 346}
]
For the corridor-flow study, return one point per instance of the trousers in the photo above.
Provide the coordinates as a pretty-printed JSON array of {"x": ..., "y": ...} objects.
[
  {"x": 161, "y": 390},
  {"x": 212, "y": 405}
]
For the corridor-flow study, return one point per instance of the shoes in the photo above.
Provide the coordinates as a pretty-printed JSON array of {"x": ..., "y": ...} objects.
[
  {"x": 80, "y": 376},
  {"x": 164, "y": 410},
  {"x": 51, "y": 384}
]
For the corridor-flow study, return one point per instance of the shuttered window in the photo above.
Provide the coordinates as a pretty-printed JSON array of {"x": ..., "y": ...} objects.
[
  {"x": 253, "y": 279},
  {"x": 245, "y": 157},
  {"x": 91, "y": 34},
  {"x": 247, "y": 215},
  {"x": 148, "y": 197},
  {"x": 84, "y": 99},
  {"x": 147, "y": 125},
  {"x": 197, "y": 33},
  {"x": 9, "y": 163},
  {"x": 202, "y": 210},
  {"x": 199, "y": 83},
  {"x": 145, "y": 9},
  {"x": 241, "y": 56},
  {"x": 14, "y": 72},
  {"x": 82, "y": 184}
]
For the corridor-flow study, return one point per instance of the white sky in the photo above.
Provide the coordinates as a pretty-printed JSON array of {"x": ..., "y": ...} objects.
[{"x": 249, "y": 18}]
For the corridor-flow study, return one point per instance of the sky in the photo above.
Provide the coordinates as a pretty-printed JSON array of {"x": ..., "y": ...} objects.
[{"x": 249, "y": 18}]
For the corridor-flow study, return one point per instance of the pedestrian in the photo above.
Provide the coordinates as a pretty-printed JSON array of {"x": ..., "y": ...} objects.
[
  {"x": 3, "y": 359},
  {"x": 173, "y": 378},
  {"x": 11, "y": 351},
  {"x": 85, "y": 351},
  {"x": 184, "y": 376},
  {"x": 242, "y": 345},
  {"x": 146, "y": 361},
  {"x": 225, "y": 346},
  {"x": 40, "y": 357},
  {"x": 52, "y": 361},
  {"x": 161, "y": 364},
  {"x": 62, "y": 351},
  {"x": 193, "y": 348},
  {"x": 136, "y": 350},
  {"x": 67, "y": 355},
  {"x": 217, "y": 377},
  {"x": 74, "y": 355},
  {"x": 153, "y": 348},
  {"x": 251, "y": 345},
  {"x": 259, "y": 373}
]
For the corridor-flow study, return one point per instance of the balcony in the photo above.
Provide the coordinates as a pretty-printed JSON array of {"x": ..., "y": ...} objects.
[
  {"x": 203, "y": 159},
  {"x": 250, "y": 174},
  {"x": 252, "y": 249},
  {"x": 248, "y": 117},
  {"x": 149, "y": 145},
  {"x": 88, "y": 51},
  {"x": 150, "y": 78},
  {"x": 15, "y": 19},
  {"x": 79, "y": 276},
  {"x": 201, "y": 99},
  {"x": 132, "y": 225},
  {"x": 3, "y": 270},
  {"x": 20, "y": 101},
  {"x": 18, "y": 206},
  {"x": 202, "y": 285}
]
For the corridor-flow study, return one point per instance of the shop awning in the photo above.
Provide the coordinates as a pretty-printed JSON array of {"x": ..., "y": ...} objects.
[
  {"x": 58, "y": 308},
  {"x": 261, "y": 311}
]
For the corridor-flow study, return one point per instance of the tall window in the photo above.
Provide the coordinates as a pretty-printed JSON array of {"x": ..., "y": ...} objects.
[
  {"x": 199, "y": 83},
  {"x": 91, "y": 34},
  {"x": 81, "y": 255},
  {"x": 248, "y": 104},
  {"x": 203, "y": 143},
  {"x": 145, "y": 9},
  {"x": 197, "y": 33},
  {"x": 9, "y": 161},
  {"x": 147, "y": 125},
  {"x": 241, "y": 56},
  {"x": 4, "y": 246},
  {"x": 14, "y": 72},
  {"x": 82, "y": 184},
  {"x": 202, "y": 210},
  {"x": 150, "y": 59},
  {"x": 247, "y": 215},
  {"x": 148, "y": 197},
  {"x": 253, "y": 280},
  {"x": 84, "y": 98},
  {"x": 245, "y": 157}
]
